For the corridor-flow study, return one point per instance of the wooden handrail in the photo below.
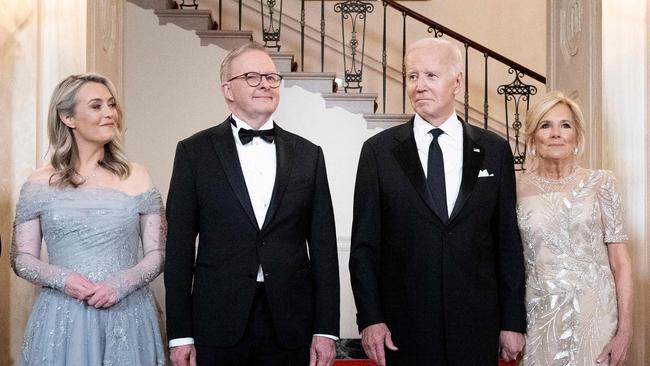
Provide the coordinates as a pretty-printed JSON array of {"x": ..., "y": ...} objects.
[{"x": 459, "y": 37}]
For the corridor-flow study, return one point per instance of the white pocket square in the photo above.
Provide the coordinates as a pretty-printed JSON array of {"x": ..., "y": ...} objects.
[{"x": 484, "y": 173}]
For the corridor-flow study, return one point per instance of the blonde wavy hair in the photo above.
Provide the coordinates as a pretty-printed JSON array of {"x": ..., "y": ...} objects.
[
  {"x": 63, "y": 146},
  {"x": 535, "y": 114}
]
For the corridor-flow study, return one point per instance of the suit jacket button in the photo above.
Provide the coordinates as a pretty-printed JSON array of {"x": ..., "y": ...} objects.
[{"x": 262, "y": 243}]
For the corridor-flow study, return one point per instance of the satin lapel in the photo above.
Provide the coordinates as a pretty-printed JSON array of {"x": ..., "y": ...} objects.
[
  {"x": 473, "y": 154},
  {"x": 284, "y": 152},
  {"x": 224, "y": 144},
  {"x": 406, "y": 154}
]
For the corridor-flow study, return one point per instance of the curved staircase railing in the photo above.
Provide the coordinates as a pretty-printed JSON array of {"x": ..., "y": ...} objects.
[{"x": 353, "y": 14}]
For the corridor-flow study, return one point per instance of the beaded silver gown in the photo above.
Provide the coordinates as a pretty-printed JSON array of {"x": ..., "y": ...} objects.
[
  {"x": 570, "y": 292},
  {"x": 107, "y": 236}
]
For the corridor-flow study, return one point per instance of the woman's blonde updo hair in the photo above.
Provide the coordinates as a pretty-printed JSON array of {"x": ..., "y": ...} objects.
[
  {"x": 535, "y": 114},
  {"x": 63, "y": 147}
]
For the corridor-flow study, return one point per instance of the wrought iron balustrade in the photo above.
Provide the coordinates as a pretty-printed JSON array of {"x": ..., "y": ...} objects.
[
  {"x": 354, "y": 10},
  {"x": 272, "y": 33},
  {"x": 354, "y": 14},
  {"x": 516, "y": 94}
]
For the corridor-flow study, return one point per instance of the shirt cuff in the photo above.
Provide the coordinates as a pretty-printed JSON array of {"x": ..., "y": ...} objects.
[
  {"x": 180, "y": 342},
  {"x": 334, "y": 338}
]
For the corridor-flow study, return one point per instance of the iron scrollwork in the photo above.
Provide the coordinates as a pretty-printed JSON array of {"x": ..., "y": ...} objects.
[
  {"x": 192, "y": 5},
  {"x": 516, "y": 93},
  {"x": 353, "y": 10},
  {"x": 436, "y": 33},
  {"x": 272, "y": 33}
]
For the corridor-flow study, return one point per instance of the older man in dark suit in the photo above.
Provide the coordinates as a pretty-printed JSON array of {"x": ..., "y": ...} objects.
[
  {"x": 264, "y": 286},
  {"x": 436, "y": 261}
]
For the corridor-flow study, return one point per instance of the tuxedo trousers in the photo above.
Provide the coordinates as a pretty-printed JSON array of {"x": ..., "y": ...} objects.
[{"x": 258, "y": 347}]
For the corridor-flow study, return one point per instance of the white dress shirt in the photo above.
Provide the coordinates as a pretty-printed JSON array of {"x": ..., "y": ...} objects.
[
  {"x": 451, "y": 144},
  {"x": 258, "y": 164},
  {"x": 257, "y": 160}
]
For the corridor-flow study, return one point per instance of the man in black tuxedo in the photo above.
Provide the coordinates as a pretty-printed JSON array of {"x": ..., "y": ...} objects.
[
  {"x": 436, "y": 262},
  {"x": 263, "y": 288}
]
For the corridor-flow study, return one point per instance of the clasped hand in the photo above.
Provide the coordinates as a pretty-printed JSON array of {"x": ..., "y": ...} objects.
[{"x": 98, "y": 295}]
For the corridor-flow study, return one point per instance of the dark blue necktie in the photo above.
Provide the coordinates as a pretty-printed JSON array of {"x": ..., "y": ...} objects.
[{"x": 436, "y": 175}]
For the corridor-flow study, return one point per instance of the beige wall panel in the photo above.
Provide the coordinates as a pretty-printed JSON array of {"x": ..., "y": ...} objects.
[
  {"x": 40, "y": 43},
  {"x": 105, "y": 39},
  {"x": 574, "y": 60},
  {"x": 18, "y": 70},
  {"x": 625, "y": 140}
]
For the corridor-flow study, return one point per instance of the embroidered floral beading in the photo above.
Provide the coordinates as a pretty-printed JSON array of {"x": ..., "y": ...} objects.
[{"x": 570, "y": 293}]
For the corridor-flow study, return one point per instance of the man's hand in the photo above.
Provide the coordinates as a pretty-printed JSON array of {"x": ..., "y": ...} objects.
[
  {"x": 512, "y": 343},
  {"x": 322, "y": 351},
  {"x": 373, "y": 339},
  {"x": 183, "y": 355},
  {"x": 78, "y": 286},
  {"x": 104, "y": 296}
]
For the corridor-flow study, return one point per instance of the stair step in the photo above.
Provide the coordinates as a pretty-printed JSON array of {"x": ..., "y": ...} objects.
[
  {"x": 283, "y": 60},
  {"x": 386, "y": 120},
  {"x": 317, "y": 82},
  {"x": 353, "y": 102},
  {"x": 225, "y": 39},
  {"x": 198, "y": 20}
]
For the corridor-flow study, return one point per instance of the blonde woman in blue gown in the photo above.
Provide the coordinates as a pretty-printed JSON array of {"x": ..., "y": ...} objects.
[{"x": 103, "y": 224}]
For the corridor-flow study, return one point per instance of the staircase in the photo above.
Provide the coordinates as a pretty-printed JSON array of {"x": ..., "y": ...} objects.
[{"x": 210, "y": 32}]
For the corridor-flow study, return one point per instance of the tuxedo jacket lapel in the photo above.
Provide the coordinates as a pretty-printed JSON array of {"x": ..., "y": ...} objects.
[
  {"x": 406, "y": 154},
  {"x": 224, "y": 144},
  {"x": 473, "y": 155},
  {"x": 284, "y": 152}
]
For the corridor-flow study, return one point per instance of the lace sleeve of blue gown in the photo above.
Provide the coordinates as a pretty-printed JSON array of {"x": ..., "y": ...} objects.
[
  {"x": 611, "y": 206},
  {"x": 25, "y": 253},
  {"x": 153, "y": 231}
]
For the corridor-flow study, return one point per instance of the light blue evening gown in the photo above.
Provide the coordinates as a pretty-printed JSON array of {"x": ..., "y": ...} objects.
[{"x": 107, "y": 236}]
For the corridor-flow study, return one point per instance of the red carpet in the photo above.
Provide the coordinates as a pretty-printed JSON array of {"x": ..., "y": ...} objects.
[{"x": 370, "y": 363}]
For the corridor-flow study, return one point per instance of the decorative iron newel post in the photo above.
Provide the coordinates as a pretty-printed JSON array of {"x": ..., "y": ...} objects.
[
  {"x": 516, "y": 92},
  {"x": 272, "y": 34},
  {"x": 192, "y": 5},
  {"x": 353, "y": 10}
]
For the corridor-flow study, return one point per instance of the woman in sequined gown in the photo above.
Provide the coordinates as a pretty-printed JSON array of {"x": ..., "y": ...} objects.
[
  {"x": 104, "y": 228},
  {"x": 578, "y": 270}
]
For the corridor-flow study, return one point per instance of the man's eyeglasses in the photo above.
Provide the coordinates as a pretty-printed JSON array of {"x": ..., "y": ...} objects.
[{"x": 254, "y": 79}]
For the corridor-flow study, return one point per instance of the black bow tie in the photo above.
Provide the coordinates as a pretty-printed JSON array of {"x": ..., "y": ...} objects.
[{"x": 246, "y": 136}]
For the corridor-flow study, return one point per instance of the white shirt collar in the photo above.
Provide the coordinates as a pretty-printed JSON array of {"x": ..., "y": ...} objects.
[
  {"x": 452, "y": 127},
  {"x": 242, "y": 124}
]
